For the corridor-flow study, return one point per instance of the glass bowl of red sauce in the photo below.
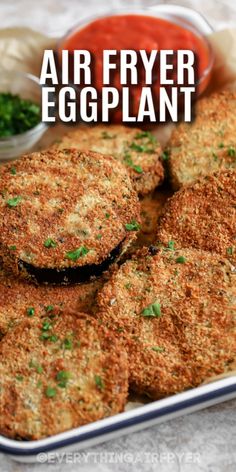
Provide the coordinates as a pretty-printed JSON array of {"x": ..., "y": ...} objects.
[{"x": 160, "y": 27}]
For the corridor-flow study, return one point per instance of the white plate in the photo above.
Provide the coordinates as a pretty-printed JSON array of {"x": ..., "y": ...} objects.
[{"x": 123, "y": 423}]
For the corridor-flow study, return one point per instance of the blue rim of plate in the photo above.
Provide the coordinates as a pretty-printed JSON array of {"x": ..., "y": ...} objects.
[{"x": 156, "y": 412}]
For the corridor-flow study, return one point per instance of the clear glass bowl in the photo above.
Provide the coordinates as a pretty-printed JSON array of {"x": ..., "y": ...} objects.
[
  {"x": 27, "y": 86},
  {"x": 183, "y": 16}
]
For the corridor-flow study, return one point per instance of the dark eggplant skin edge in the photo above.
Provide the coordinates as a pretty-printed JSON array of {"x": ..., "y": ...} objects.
[{"x": 69, "y": 275}]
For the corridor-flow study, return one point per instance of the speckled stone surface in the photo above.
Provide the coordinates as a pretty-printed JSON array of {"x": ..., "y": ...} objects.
[{"x": 201, "y": 442}]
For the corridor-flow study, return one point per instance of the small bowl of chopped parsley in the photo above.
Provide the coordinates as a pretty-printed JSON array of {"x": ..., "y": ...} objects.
[{"x": 20, "y": 113}]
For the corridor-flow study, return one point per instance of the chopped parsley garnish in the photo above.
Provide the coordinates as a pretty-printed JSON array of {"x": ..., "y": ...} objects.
[
  {"x": 157, "y": 349},
  {"x": 20, "y": 378},
  {"x": 215, "y": 157},
  {"x": 50, "y": 243},
  {"x": 36, "y": 366},
  {"x": 99, "y": 236},
  {"x": 77, "y": 253},
  {"x": 171, "y": 245},
  {"x": 30, "y": 311},
  {"x": 128, "y": 285},
  {"x": 12, "y": 248},
  {"x": 180, "y": 260},
  {"x": 232, "y": 151},
  {"x": 106, "y": 135},
  {"x": 148, "y": 144},
  {"x": 68, "y": 344},
  {"x": 107, "y": 215},
  {"x": 13, "y": 202},
  {"x": 141, "y": 148},
  {"x": 165, "y": 155},
  {"x": 53, "y": 338},
  {"x": 44, "y": 336},
  {"x": 220, "y": 145},
  {"x": 62, "y": 377},
  {"x": 129, "y": 161},
  {"x": 230, "y": 250},
  {"x": 17, "y": 115},
  {"x": 99, "y": 382},
  {"x": 132, "y": 226},
  {"x": 49, "y": 308},
  {"x": 46, "y": 326},
  {"x": 50, "y": 392},
  {"x": 153, "y": 310},
  {"x": 146, "y": 134},
  {"x": 13, "y": 171}
]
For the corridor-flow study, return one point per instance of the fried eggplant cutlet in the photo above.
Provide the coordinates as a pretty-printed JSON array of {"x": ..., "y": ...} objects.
[
  {"x": 21, "y": 300},
  {"x": 206, "y": 145},
  {"x": 138, "y": 150},
  {"x": 59, "y": 373},
  {"x": 203, "y": 215},
  {"x": 65, "y": 215},
  {"x": 175, "y": 310}
]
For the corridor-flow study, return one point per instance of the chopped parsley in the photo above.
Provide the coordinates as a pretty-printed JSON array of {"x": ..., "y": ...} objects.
[
  {"x": 106, "y": 135},
  {"x": 53, "y": 338},
  {"x": 147, "y": 146},
  {"x": 30, "y": 311},
  {"x": 129, "y": 161},
  {"x": 128, "y": 285},
  {"x": 13, "y": 202},
  {"x": 99, "y": 382},
  {"x": 17, "y": 115},
  {"x": 180, "y": 260},
  {"x": 68, "y": 344},
  {"x": 50, "y": 243},
  {"x": 49, "y": 308},
  {"x": 62, "y": 377},
  {"x": 99, "y": 236},
  {"x": 77, "y": 253},
  {"x": 50, "y": 392},
  {"x": 44, "y": 336},
  {"x": 36, "y": 366},
  {"x": 232, "y": 151},
  {"x": 20, "y": 378},
  {"x": 153, "y": 310},
  {"x": 146, "y": 134},
  {"x": 13, "y": 171},
  {"x": 46, "y": 326},
  {"x": 132, "y": 226},
  {"x": 12, "y": 248},
  {"x": 141, "y": 148},
  {"x": 157, "y": 348},
  {"x": 165, "y": 155},
  {"x": 171, "y": 245},
  {"x": 230, "y": 250}
]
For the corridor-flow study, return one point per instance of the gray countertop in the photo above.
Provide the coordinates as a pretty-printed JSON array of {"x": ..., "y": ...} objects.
[{"x": 204, "y": 441}]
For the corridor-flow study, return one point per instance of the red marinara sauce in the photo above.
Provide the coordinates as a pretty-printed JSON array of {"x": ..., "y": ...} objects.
[{"x": 133, "y": 31}]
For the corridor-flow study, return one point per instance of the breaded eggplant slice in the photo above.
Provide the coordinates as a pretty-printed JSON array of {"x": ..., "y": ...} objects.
[
  {"x": 65, "y": 215},
  {"x": 175, "y": 311},
  {"x": 138, "y": 150},
  {"x": 203, "y": 215},
  {"x": 206, "y": 145},
  {"x": 59, "y": 373},
  {"x": 21, "y": 300}
]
